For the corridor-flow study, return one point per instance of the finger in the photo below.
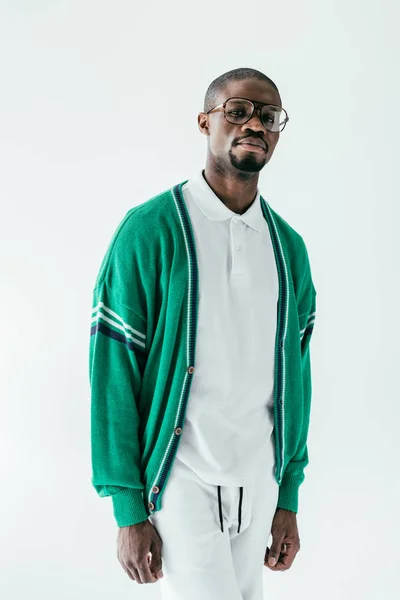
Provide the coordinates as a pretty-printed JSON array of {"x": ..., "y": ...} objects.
[
  {"x": 289, "y": 555},
  {"x": 266, "y": 557},
  {"x": 274, "y": 552},
  {"x": 146, "y": 576},
  {"x": 284, "y": 562},
  {"x": 135, "y": 574},
  {"x": 279, "y": 566},
  {"x": 155, "y": 562}
]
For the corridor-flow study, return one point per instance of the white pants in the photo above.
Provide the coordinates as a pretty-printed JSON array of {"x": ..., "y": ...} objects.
[{"x": 199, "y": 560}]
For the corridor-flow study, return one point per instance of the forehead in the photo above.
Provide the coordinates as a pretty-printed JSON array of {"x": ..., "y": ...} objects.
[{"x": 260, "y": 91}]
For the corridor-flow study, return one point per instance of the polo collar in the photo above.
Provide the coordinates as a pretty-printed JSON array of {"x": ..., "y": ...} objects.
[{"x": 216, "y": 210}]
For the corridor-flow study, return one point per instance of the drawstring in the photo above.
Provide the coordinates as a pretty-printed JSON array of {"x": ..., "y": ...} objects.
[
  {"x": 240, "y": 507},
  {"x": 220, "y": 508}
]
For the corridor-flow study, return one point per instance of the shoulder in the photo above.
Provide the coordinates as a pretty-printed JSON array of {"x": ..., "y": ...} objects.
[
  {"x": 133, "y": 247},
  {"x": 144, "y": 216},
  {"x": 144, "y": 223}
]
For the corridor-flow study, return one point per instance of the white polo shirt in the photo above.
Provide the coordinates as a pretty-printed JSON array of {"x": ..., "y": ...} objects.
[{"x": 229, "y": 419}]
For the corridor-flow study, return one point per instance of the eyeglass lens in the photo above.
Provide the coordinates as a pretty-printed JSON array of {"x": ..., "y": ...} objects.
[{"x": 238, "y": 111}]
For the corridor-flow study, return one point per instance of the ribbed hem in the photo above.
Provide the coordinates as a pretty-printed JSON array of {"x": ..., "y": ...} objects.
[
  {"x": 289, "y": 493},
  {"x": 129, "y": 507}
]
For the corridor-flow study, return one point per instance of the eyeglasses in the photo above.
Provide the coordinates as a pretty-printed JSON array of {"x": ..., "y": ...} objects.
[{"x": 240, "y": 110}]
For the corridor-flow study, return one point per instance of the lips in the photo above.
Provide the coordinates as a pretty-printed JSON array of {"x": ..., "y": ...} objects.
[{"x": 254, "y": 142}]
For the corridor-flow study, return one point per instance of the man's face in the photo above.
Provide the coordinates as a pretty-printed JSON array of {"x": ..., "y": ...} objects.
[{"x": 225, "y": 139}]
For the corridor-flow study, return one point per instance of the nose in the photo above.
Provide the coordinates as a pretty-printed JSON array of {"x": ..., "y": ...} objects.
[{"x": 255, "y": 122}]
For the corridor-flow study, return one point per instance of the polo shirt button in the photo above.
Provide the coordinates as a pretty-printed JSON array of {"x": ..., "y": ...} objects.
[
  {"x": 155, "y": 489},
  {"x": 178, "y": 430},
  {"x": 191, "y": 370},
  {"x": 151, "y": 505}
]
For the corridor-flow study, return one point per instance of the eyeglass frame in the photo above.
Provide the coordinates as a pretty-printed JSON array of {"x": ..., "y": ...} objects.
[{"x": 262, "y": 104}]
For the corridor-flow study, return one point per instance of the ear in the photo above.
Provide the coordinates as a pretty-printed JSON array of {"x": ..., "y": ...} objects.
[{"x": 202, "y": 121}]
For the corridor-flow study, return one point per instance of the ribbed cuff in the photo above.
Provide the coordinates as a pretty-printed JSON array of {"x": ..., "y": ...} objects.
[
  {"x": 129, "y": 507},
  {"x": 289, "y": 493}
]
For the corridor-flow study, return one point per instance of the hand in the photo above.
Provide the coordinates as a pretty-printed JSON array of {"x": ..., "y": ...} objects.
[
  {"x": 134, "y": 544},
  {"x": 285, "y": 541}
]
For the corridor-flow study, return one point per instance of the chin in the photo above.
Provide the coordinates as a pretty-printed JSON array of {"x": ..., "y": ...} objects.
[{"x": 248, "y": 164}]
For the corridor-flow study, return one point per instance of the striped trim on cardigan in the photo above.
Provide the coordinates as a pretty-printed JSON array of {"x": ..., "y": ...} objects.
[{"x": 112, "y": 325}]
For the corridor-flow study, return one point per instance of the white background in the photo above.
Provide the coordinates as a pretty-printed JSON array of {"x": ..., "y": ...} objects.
[{"x": 99, "y": 104}]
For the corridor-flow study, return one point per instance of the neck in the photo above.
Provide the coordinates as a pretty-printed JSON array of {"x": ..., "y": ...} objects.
[{"x": 238, "y": 195}]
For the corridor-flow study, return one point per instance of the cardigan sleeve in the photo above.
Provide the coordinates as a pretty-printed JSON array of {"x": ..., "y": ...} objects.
[
  {"x": 293, "y": 475},
  {"x": 117, "y": 356},
  {"x": 118, "y": 351}
]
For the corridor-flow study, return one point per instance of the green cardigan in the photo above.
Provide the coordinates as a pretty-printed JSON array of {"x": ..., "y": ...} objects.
[{"x": 142, "y": 354}]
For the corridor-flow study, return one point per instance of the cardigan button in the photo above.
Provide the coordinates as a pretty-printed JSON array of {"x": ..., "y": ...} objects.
[
  {"x": 155, "y": 489},
  {"x": 191, "y": 370},
  {"x": 151, "y": 505},
  {"x": 178, "y": 430}
]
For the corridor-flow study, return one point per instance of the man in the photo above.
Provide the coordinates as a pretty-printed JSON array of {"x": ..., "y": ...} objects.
[{"x": 205, "y": 291}]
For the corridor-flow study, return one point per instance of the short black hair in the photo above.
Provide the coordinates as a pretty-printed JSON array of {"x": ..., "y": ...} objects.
[{"x": 217, "y": 86}]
